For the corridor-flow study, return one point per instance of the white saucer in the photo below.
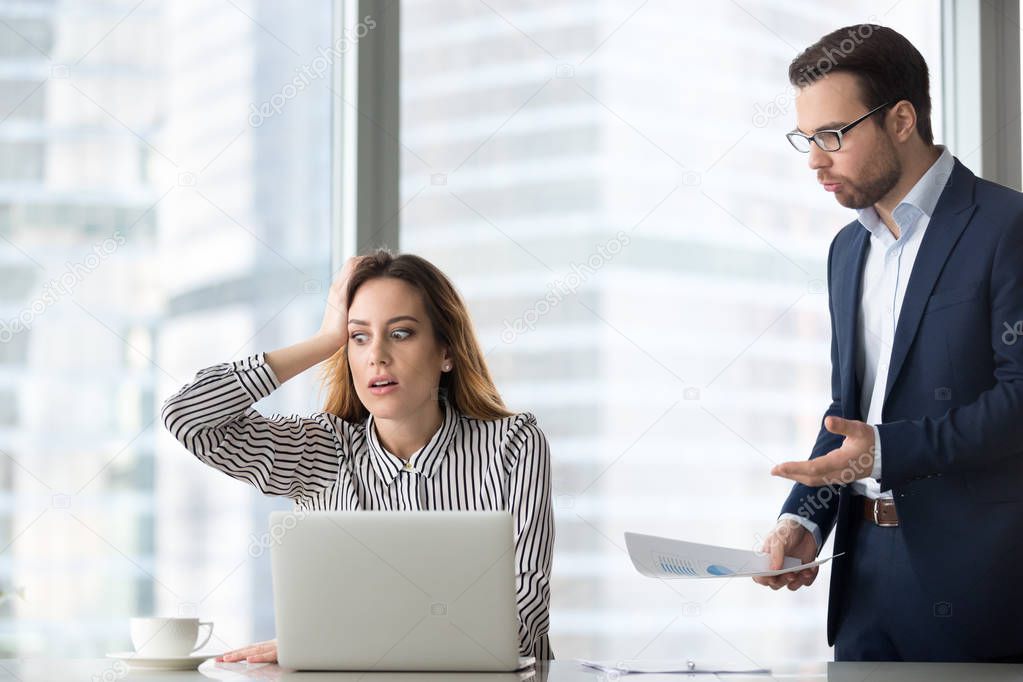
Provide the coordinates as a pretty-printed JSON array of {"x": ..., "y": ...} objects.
[{"x": 190, "y": 662}]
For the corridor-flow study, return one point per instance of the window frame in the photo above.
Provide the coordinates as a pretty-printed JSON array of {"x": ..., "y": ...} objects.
[{"x": 980, "y": 74}]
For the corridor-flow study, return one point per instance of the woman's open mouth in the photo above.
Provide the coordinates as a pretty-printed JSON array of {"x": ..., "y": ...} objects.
[{"x": 382, "y": 385}]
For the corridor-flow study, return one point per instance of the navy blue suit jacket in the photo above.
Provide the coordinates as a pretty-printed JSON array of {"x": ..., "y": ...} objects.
[{"x": 952, "y": 431}]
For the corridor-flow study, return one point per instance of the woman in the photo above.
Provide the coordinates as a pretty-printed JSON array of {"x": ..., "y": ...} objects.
[{"x": 412, "y": 422}]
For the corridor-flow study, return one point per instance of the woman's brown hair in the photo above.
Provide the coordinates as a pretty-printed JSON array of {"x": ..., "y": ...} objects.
[{"x": 468, "y": 387}]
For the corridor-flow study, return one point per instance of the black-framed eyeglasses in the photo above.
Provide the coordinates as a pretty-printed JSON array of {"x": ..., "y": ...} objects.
[{"x": 828, "y": 140}]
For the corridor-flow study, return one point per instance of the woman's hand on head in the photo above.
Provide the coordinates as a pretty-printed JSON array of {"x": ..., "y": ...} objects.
[
  {"x": 335, "y": 317},
  {"x": 331, "y": 337},
  {"x": 260, "y": 652}
]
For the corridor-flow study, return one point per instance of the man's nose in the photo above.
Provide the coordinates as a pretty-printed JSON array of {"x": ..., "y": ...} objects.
[{"x": 818, "y": 158}]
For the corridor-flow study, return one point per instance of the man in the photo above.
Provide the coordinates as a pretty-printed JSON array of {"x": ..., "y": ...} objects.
[{"x": 919, "y": 462}]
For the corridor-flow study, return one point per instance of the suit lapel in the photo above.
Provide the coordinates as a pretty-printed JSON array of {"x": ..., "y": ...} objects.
[
  {"x": 847, "y": 304},
  {"x": 952, "y": 213}
]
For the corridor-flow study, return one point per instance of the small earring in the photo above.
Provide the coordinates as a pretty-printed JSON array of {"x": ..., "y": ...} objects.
[{"x": 447, "y": 366}]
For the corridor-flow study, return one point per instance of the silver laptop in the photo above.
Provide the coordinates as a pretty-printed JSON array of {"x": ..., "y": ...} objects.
[{"x": 375, "y": 590}]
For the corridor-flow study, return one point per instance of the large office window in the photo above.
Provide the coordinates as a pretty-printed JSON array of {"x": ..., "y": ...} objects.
[
  {"x": 644, "y": 255},
  {"x": 164, "y": 206}
]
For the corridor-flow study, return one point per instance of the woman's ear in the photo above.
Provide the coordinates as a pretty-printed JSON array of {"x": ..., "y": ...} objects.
[{"x": 446, "y": 363}]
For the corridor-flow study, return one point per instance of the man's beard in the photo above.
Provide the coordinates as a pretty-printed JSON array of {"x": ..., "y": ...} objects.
[{"x": 878, "y": 180}]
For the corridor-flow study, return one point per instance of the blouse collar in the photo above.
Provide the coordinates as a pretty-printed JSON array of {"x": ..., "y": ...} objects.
[{"x": 424, "y": 461}]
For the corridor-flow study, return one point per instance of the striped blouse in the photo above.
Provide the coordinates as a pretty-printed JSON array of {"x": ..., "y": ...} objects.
[{"x": 325, "y": 463}]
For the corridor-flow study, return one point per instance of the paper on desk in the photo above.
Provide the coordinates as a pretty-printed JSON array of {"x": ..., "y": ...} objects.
[
  {"x": 657, "y": 557},
  {"x": 666, "y": 667}
]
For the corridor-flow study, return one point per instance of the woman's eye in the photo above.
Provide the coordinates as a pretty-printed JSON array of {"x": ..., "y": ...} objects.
[
  {"x": 401, "y": 333},
  {"x": 358, "y": 337}
]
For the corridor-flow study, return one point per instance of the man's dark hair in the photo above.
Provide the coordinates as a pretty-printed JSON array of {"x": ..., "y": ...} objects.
[{"x": 887, "y": 66}]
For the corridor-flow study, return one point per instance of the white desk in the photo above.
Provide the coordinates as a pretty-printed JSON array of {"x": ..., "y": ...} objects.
[{"x": 103, "y": 670}]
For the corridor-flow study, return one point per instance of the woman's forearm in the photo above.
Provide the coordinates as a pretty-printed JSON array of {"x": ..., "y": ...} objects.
[{"x": 293, "y": 360}]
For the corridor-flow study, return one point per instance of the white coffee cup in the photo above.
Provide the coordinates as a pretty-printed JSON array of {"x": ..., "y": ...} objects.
[{"x": 167, "y": 637}]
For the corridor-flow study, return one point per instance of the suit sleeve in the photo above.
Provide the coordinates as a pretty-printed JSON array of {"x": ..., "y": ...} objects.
[
  {"x": 991, "y": 427},
  {"x": 819, "y": 505}
]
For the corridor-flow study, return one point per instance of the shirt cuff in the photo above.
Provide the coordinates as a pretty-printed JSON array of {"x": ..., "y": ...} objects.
[
  {"x": 256, "y": 375},
  {"x": 807, "y": 524},
  {"x": 875, "y": 473}
]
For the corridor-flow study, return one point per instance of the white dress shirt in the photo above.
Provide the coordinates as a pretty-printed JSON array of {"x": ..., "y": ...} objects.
[
  {"x": 325, "y": 463},
  {"x": 886, "y": 272}
]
